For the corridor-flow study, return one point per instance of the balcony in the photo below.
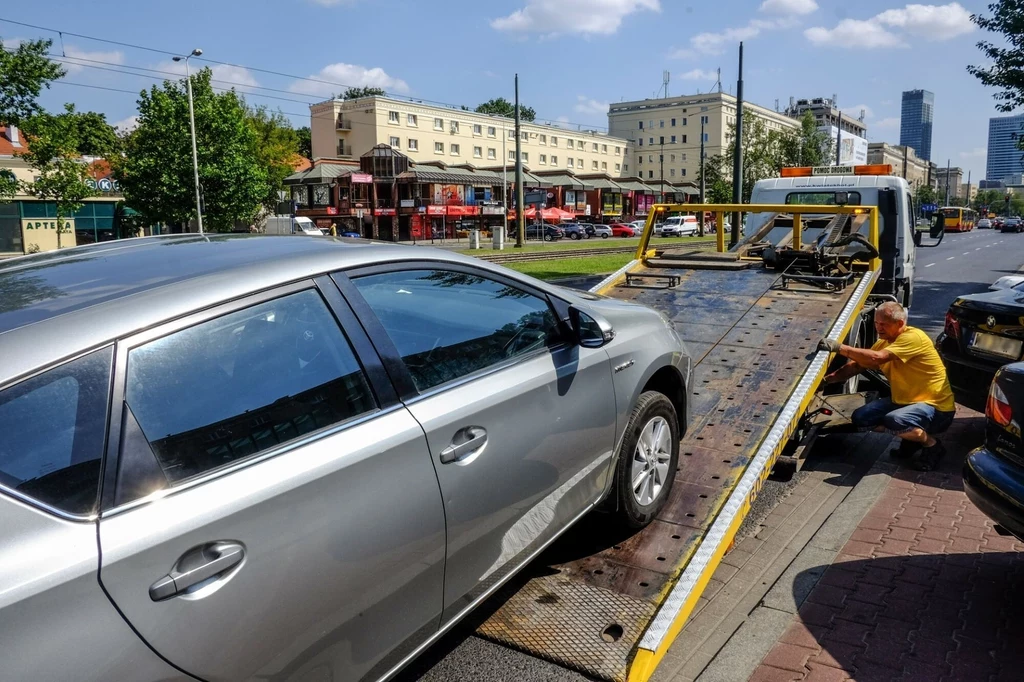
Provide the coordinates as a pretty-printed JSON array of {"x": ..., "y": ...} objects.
[{"x": 342, "y": 124}]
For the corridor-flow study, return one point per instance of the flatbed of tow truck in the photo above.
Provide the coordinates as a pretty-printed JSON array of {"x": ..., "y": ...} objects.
[{"x": 609, "y": 607}]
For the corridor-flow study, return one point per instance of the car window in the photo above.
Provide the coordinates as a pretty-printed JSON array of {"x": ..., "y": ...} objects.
[
  {"x": 239, "y": 384},
  {"x": 448, "y": 324},
  {"x": 53, "y": 427}
]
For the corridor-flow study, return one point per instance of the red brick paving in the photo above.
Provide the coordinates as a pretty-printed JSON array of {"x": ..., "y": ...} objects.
[{"x": 924, "y": 589}]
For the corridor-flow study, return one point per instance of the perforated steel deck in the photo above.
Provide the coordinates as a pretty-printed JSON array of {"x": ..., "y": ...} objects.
[{"x": 590, "y": 598}]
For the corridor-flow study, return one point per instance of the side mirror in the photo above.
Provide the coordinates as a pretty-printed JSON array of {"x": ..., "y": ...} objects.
[{"x": 590, "y": 330}]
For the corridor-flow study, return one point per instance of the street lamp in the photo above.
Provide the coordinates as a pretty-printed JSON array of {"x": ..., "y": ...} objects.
[{"x": 192, "y": 123}]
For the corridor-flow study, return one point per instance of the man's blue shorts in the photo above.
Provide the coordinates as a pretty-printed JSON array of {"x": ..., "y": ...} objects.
[{"x": 897, "y": 419}]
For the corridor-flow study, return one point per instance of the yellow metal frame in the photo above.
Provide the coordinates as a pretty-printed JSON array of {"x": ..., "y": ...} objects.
[
  {"x": 796, "y": 210},
  {"x": 645, "y": 662}
]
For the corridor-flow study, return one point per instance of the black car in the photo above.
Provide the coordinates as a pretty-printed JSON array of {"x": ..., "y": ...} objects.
[
  {"x": 576, "y": 231},
  {"x": 540, "y": 231},
  {"x": 982, "y": 333},
  {"x": 994, "y": 473},
  {"x": 1012, "y": 225}
]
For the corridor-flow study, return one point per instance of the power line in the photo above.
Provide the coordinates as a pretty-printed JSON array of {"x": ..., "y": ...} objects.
[{"x": 580, "y": 126}]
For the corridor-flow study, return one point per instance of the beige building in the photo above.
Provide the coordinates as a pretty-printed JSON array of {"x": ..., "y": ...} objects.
[
  {"x": 664, "y": 134},
  {"x": 969, "y": 192},
  {"x": 905, "y": 163},
  {"x": 346, "y": 129},
  {"x": 953, "y": 179},
  {"x": 826, "y": 113}
]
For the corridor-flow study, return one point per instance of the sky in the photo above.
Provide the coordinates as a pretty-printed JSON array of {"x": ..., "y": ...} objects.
[{"x": 573, "y": 57}]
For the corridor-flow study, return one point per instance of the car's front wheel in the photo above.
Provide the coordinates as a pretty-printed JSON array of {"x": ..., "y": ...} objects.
[
  {"x": 648, "y": 457},
  {"x": 548, "y": 238},
  {"x": 574, "y": 235},
  {"x": 604, "y": 236}
]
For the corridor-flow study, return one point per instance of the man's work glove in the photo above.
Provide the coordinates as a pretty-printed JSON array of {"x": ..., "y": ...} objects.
[{"x": 829, "y": 345}]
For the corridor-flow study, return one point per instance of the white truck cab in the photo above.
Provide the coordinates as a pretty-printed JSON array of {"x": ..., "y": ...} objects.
[
  {"x": 871, "y": 185},
  {"x": 283, "y": 224}
]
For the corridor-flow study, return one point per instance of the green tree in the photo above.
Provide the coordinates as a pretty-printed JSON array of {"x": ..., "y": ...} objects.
[
  {"x": 155, "y": 168},
  {"x": 925, "y": 195},
  {"x": 717, "y": 188},
  {"x": 8, "y": 185},
  {"x": 808, "y": 146},
  {"x": 502, "y": 107},
  {"x": 765, "y": 151},
  {"x": 277, "y": 145},
  {"x": 96, "y": 137},
  {"x": 60, "y": 175},
  {"x": 24, "y": 72},
  {"x": 305, "y": 141},
  {"x": 356, "y": 93},
  {"x": 1005, "y": 67}
]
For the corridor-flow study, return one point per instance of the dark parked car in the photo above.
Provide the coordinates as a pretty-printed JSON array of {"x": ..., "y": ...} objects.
[
  {"x": 1012, "y": 225},
  {"x": 576, "y": 231},
  {"x": 548, "y": 233},
  {"x": 983, "y": 332},
  {"x": 994, "y": 473}
]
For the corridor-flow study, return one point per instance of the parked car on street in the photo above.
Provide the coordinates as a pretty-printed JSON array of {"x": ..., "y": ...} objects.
[
  {"x": 623, "y": 230},
  {"x": 541, "y": 231},
  {"x": 638, "y": 226},
  {"x": 352, "y": 235},
  {"x": 994, "y": 473},
  {"x": 602, "y": 231},
  {"x": 238, "y": 457},
  {"x": 574, "y": 231},
  {"x": 677, "y": 226},
  {"x": 1012, "y": 225},
  {"x": 997, "y": 222},
  {"x": 983, "y": 224},
  {"x": 982, "y": 333}
]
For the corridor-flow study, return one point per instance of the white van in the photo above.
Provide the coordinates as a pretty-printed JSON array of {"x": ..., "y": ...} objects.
[
  {"x": 830, "y": 186},
  {"x": 678, "y": 226},
  {"x": 283, "y": 224}
]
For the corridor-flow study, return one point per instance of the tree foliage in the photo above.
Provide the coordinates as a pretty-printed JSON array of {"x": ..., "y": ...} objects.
[
  {"x": 356, "y": 93},
  {"x": 24, "y": 72},
  {"x": 1005, "y": 68},
  {"x": 155, "y": 170},
  {"x": 502, "y": 107},
  {"x": 717, "y": 188},
  {"x": 277, "y": 145},
  {"x": 926, "y": 195},
  {"x": 96, "y": 137},
  {"x": 60, "y": 175},
  {"x": 305, "y": 141}
]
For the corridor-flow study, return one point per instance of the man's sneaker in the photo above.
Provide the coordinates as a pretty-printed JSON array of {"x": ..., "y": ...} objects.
[
  {"x": 928, "y": 458},
  {"x": 906, "y": 450}
]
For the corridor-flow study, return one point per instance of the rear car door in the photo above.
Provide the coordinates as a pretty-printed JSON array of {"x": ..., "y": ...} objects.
[
  {"x": 275, "y": 514},
  {"x": 520, "y": 422}
]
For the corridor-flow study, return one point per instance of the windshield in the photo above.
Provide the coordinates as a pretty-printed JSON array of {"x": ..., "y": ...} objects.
[
  {"x": 951, "y": 212},
  {"x": 820, "y": 198}
]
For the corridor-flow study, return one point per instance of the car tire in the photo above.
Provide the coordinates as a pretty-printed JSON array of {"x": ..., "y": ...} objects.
[
  {"x": 574, "y": 235},
  {"x": 653, "y": 415},
  {"x": 604, "y": 236},
  {"x": 548, "y": 238}
]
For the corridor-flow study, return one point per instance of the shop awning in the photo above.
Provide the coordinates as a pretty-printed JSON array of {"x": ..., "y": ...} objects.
[
  {"x": 453, "y": 176},
  {"x": 320, "y": 174},
  {"x": 634, "y": 185},
  {"x": 603, "y": 183},
  {"x": 566, "y": 180}
]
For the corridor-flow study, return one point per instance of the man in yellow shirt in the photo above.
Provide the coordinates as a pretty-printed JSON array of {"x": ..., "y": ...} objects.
[{"x": 922, "y": 400}]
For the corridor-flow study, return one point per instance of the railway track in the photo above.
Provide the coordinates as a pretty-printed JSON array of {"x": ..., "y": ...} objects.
[{"x": 502, "y": 258}]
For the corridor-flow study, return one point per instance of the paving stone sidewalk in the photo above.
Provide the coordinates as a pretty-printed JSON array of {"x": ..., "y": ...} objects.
[{"x": 924, "y": 589}]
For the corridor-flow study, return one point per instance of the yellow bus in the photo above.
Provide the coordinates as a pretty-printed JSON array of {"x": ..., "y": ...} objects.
[{"x": 959, "y": 218}]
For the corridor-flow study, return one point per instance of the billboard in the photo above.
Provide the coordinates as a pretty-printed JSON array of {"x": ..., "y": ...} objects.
[{"x": 853, "y": 150}]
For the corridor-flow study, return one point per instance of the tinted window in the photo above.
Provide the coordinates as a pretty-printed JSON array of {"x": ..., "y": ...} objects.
[
  {"x": 449, "y": 324},
  {"x": 53, "y": 428},
  {"x": 231, "y": 387},
  {"x": 820, "y": 198}
]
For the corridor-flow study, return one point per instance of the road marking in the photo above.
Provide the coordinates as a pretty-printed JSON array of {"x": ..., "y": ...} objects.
[
  {"x": 951, "y": 258},
  {"x": 988, "y": 246},
  {"x": 929, "y": 265},
  {"x": 978, "y": 249},
  {"x": 967, "y": 253}
]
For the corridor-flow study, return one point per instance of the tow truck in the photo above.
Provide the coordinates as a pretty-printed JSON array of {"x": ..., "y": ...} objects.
[{"x": 824, "y": 247}]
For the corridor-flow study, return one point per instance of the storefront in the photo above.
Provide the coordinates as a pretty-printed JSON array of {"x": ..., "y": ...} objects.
[{"x": 332, "y": 195}]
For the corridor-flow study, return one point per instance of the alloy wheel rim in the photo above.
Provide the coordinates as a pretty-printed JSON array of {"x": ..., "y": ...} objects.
[{"x": 651, "y": 457}]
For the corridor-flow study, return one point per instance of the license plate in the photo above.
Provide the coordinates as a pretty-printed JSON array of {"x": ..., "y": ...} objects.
[{"x": 996, "y": 345}]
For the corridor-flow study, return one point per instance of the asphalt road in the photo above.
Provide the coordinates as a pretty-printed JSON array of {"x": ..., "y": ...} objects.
[{"x": 961, "y": 264}]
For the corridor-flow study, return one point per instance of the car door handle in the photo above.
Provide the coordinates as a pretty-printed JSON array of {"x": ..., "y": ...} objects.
[
  {"x": 195, "y": 566},
  {"x": 470, "y": 439}
]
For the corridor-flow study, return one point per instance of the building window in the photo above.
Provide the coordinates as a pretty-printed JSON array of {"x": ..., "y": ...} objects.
[
  {"x": 525, "y": 136},
  {"x": 703, "y": 108},
  {"x": 579, "y": 163},
  {"x": 491, "y": 153},
  {"x": 684, "y": 139},
  {"x": 526, "y": 157},
  {"x": 411, "y": 120},
  {"x": 439, "y": 147},
  {"x": 414, "y": 145},
  {"x": 395, "y": 142},
  {"x": 511, "y": 133},
  {"x": 641, "y": 125},
  {"x": 625, "y": 168},
  {"x": 684, "y": 121},
  {"x": 673, "y": 138},
  {"x": 593, "y": 147},
  {"x": 682, "y": 171},
  {"x": 641, "y": 141},
  {"x": 618, "y": 168},
  {"x": 673, "y": 123},
  {"x": 650, "y": 174},
  {"x": 579, "y": 145},
  {"x": 618, "y": 150},
  {"x": 707, "y": 138},
  {"x": 650, "y": 141},
  {"x": 554, "y": 141},
  {"x": 650, "y": 124},
  {"x": 455, "y": 126},
  {"x": 661, "y": 124},
  {"x": 705, "y": 119},
  {"x": 571, "y": 163},
  {"x": 393, "y": 117},
  {"x": 593, "y": 165},
  {"x": 438, "y": 124},
  {"x": 650, "y": 158},
  {"x": 478, "y": 152},
  {"x": 661, "y": 140},
  {"x": 511, "y": 155},
  {"x": 554, "y": 160},
  {"x": 640, "y": 160},
  {"x": 671, "y": 172},
  {"x": 604, "y": 149},
  {"x": 478, "y": 129},
  {"x": 672, "y": 158},
  {"x": 682, "y": 157},
  {"x": 543, "y": 160},
  {"x": 543, "y": 139},
  {"x": 569, "y": 144},
  {"x": 604, "y": 165},
  {"x": 491, "y": 132}
]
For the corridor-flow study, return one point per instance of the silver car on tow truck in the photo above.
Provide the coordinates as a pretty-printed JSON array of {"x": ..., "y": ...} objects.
[{"x": 273, "y": 457}]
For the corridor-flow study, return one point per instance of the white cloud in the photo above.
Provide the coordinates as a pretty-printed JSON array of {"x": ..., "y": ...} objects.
[
  {"x": 78, "y": 59},
  {"x": 586, "y": 17},
  {"x": 934, "y": 22},
  {"x": 563, "y": 122},
  {"x": 126, "y": 125},
  {"x": 855, "y": 111},
  {"x": 853, "y": 34},
  {"x": 710, "y": 42},
  {"x": 224, "y": 76},
  {"x": 789, "y": 7},
  {"x": 585, "y": 105},
  {"x": 237, "y": 75},
  {"x": 698, "y": 75},
  {"x": 341, "y": 76},
  {"x": 888, "y": 122},
  {"x": 976, "y": 153}
]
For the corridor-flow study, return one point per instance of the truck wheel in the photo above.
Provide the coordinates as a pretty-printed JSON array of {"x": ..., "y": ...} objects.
[{"x": 648, "y": 457}]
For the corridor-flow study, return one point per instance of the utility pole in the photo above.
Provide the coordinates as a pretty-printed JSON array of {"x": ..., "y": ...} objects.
[
  {"x": 737, "y": 162},
  {"x": 702, "y": 162},
  {"x": 967, "y": 199},
  {"x": 904, "y": 162},
  {"x": 520, "y": 210},
  {"x": 661, "y": 159},
  {"x": 947, "y": 183}
]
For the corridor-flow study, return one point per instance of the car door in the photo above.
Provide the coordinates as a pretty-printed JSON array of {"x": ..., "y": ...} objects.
[
  {"x": 276, "y": 515},
  {"x": 520, "y": 422}
]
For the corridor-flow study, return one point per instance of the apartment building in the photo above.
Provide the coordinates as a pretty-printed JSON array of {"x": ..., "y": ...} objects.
[
  {"x": 347, "y": 129},
  {"x": 949, "y": 181},
  {"x": 827, "y": 114},
  {"x": 664, "y": 134},
  {"x": 904, "y": 161}
]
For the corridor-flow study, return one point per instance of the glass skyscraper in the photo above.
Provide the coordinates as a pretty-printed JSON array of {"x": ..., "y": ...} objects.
[
  {"x": 1004, "y": 157},
  {"x": 916, "y": 122}
]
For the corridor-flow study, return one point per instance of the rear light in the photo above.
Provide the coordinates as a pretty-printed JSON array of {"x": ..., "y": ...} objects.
[
  {"x": 997, "y": 407},
  {"x": 952, "y": 325}
]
